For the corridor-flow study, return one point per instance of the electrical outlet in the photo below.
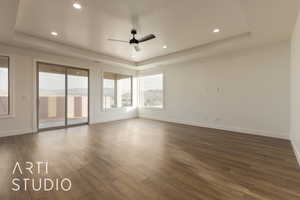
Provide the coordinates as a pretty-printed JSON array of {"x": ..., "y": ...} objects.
[{"x": 218, "y": 119}]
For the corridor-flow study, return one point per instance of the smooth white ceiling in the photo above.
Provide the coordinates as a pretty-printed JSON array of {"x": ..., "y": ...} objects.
[
  {"x": 8, "y": 10},
  {"x": 176, "y": 23}
]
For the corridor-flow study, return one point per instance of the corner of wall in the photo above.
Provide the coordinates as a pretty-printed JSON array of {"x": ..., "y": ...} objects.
[
  {"x": 296, "y": 150},
  {"x": 294, "y": 90}
]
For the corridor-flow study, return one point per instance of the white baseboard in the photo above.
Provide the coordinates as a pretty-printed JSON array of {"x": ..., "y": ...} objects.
[
  {"x": 16, "y": 132},
  {"x": 226, "y": 128},
  {"x": 199, "y": 124},
  {"x": 296, "y": 150},
  {"x": 27, "y": 131}
]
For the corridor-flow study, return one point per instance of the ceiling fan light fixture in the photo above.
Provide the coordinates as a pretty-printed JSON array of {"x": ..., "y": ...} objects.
[
  {"x": 135, "y": 42},
  {"x": 216, "y": 30}
]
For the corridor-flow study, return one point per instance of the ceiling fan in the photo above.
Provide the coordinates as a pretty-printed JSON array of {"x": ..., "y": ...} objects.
[{"x": 135, "y": 42}]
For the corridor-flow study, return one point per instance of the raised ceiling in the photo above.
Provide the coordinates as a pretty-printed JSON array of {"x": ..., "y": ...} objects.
[{"x": 178, "y": 24}]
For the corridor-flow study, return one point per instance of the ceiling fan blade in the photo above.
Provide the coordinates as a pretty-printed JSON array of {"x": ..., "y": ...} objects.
[
  {"x": 146, "y": 38},
  {"x": 137, "y": 48},
  {"x": 114, "y": 40}
]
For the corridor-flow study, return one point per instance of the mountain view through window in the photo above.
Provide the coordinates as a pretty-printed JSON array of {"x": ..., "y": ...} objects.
[
  {"x": 151, "y": 91},
  {"x": 117, "y": 90}
]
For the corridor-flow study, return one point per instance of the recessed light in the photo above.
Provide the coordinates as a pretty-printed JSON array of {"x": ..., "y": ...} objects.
[
  {"x": 216, "y": 30},
  {"x": 165, "y": 46},
  {"x": 54, "y": 33},
  {"x": 77, "y": 5}
]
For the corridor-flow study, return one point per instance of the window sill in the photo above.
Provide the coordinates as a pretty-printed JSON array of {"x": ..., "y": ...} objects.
[
  {"x": 152, "y": 108},
  {"x": 118, "y": 109}
]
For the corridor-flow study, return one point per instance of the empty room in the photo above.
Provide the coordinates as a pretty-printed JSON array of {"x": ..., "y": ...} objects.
[{"x": 153, "y": 100}]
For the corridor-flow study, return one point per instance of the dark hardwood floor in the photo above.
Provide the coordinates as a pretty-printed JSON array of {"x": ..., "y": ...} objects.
[{"x": 143, "y": 159}]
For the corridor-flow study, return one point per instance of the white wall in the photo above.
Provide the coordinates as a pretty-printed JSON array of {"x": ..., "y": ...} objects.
[
  {"x": 23, "y": 119},
  {"x": 295, "y": 90},
  {"x": 245, "y": 91}
]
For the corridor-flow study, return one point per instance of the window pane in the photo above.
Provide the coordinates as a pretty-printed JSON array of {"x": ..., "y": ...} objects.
[
  {"x": 4, "y": 85},
  {"x": 77, "y": 96},
  {"x": 51, "y": 96},
  {"x": 117, "y": 89},
  {"x": 151, "y": 91},
  {"x": 108, "y": 93},
  {"x": 124, "y": 92}
]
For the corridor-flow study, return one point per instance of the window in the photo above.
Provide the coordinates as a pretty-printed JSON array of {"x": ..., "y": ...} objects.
[
  {"x": 151, "y": 91},
  {"x": 4, "y": 86},
  {"x": 117, "y": 90}
]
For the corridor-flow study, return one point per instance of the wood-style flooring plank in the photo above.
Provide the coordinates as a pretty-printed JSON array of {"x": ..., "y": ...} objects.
[{"x": 151, "y": 160}]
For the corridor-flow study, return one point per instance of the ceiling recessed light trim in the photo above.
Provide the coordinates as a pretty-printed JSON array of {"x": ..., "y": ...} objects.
[
  {"x": 165, "y": 46},
  {"x": 216, "y": 30},
  {"x": 54, "y": 33},
  {"x": 77, "y": 5}
]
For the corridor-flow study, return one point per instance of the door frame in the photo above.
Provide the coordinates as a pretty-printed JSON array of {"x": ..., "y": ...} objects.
[{"x": 66, "y": 67}]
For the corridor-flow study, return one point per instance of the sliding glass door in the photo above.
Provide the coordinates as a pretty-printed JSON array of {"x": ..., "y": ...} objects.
[
  {"x": 77, "y": 96},
  {"x": 62, "y": 96}
]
